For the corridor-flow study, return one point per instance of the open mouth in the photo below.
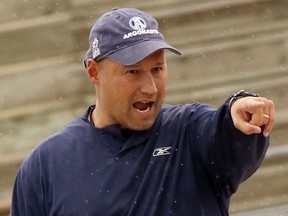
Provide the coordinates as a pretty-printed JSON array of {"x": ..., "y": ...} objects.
[{"x": 143, "y": 106}]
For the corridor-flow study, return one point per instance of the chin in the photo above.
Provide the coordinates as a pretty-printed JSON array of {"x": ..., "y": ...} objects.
[{"x": 141, "y": 127}]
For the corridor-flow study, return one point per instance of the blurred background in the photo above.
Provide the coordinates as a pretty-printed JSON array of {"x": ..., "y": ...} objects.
[{"x": 227, "y": 45}]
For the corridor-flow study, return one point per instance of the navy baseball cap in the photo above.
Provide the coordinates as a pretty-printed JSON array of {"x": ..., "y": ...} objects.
[{"x": 127, "y": 36}]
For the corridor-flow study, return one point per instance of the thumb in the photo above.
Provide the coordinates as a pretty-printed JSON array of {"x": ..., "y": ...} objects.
[{"x": 247, "y": 127}]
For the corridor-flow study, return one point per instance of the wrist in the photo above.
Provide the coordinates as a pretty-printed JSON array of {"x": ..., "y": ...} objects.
[{"x": 240, "y": 94}]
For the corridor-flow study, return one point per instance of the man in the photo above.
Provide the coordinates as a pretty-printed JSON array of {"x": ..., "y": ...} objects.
[{"x": 132, "y": 155}]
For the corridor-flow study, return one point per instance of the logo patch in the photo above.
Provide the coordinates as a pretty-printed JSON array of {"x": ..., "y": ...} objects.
[
  {"x": 137, "y": 23},
  {"x": 162, "y": 151},
  {"x": 139, "y": 26},
  {"x": 95, "y": 48}
]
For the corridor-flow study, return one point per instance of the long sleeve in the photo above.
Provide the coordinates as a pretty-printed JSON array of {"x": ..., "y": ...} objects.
[
  {"x": 229, "y": 155},
  {"x": 27, "y": 200}
]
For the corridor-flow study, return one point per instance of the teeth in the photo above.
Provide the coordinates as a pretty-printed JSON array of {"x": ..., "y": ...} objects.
[
  {"x": 146, "y": 110},
  {"x": 143, "y": 106}
]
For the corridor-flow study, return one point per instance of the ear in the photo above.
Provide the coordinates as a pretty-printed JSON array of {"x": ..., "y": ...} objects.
[{"x": 93, "y": 70}]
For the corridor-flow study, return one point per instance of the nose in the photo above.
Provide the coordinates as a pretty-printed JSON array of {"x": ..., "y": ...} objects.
[{"x": 148, "y": 85}]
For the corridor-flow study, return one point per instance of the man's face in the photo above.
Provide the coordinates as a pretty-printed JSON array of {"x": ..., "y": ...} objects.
[{"x": 131, "y": 96}]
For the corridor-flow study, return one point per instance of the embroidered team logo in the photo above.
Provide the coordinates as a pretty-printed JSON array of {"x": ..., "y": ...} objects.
[
  {"x": 137, "y": 23},
  {"x": 162, "y": 151},
  {"x": 95, "y": 48},
  {"x": 139, "y": 27}
]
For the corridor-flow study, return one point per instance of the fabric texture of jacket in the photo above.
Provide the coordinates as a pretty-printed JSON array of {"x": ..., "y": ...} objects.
[{"x": 189, "y": 163}]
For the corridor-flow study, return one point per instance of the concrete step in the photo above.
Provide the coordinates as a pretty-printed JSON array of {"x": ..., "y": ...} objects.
[
  {"x": 35, "y": 121},
  {"x": 281, "y": 210},
  {"x": 17, "y": 11},
  {"x": 266, "y": 188},
  {"x": 230, "y": 57},
  {"x": 270, "y": 82},
  {"x": 46, "y": 79},
  {"x": 222, "y": 30},
  {"x": 36, "y": 38}
]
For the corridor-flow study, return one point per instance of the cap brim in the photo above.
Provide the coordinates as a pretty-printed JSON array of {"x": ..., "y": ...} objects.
[{"x": 133, "y": 54}]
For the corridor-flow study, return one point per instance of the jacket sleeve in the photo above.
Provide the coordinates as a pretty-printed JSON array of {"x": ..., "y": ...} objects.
[
  {"x": 229, "y": 156},
  {"x": 27, "y": 200}
]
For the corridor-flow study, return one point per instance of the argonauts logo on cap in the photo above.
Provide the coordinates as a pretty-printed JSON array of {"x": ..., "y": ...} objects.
[{"x": 139, "y": 25}]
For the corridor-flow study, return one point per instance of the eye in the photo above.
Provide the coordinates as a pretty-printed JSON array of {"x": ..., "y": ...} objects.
[
  {"x": 157, "y": 69},
  {"x": 131, "y": 72}
]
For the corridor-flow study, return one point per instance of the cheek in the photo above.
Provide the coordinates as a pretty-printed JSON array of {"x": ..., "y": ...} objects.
[
  {"x": 162, "y": 85},
  {"x": 120, "y": 92}
]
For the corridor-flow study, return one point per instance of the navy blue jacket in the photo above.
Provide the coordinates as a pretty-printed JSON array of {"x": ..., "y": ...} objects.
[{"x": 189, "y": 163}]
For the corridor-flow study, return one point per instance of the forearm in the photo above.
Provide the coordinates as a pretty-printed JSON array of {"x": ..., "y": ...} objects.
[{"x": 229, "y": 155}]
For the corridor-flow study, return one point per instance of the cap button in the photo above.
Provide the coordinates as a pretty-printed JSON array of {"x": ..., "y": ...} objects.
[{"x": 116, "y": 8}]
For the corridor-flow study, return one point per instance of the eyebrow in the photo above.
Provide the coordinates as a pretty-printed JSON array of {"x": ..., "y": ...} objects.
[{"x": 157, "y": 62}]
